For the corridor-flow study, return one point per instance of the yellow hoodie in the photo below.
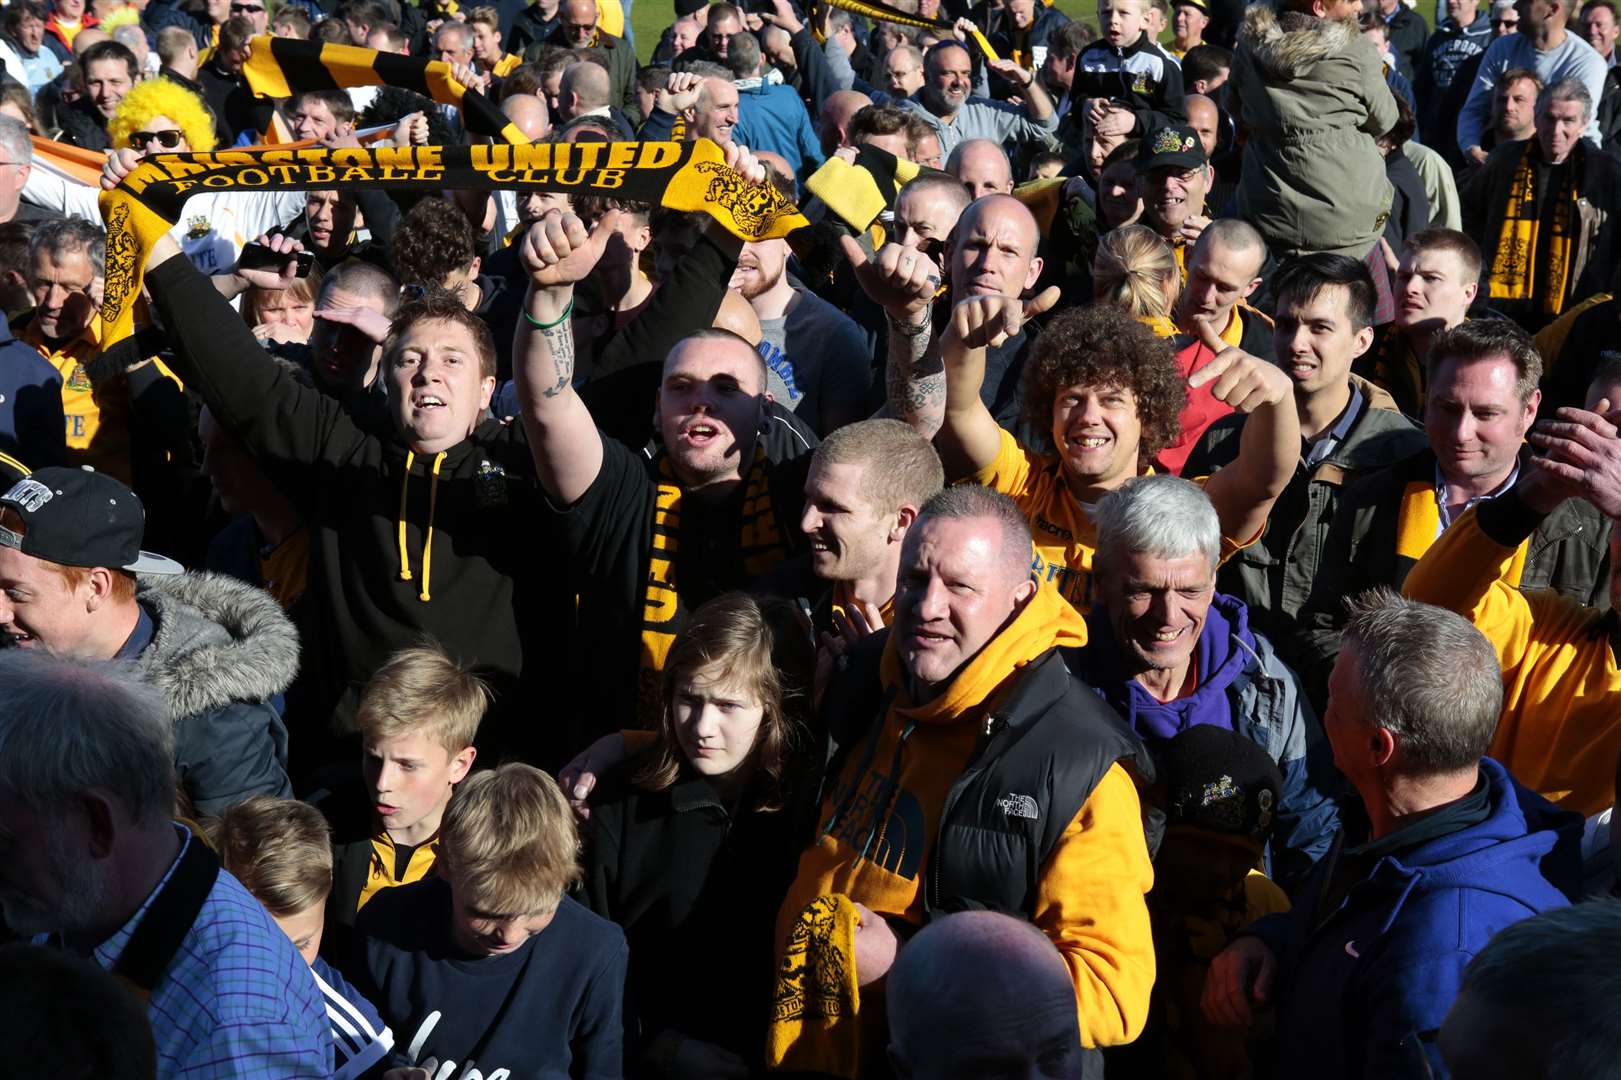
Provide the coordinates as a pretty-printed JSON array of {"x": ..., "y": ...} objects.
[
  {"x": 1560, "y": 732},
  {"x": 1091, "y": 891}
]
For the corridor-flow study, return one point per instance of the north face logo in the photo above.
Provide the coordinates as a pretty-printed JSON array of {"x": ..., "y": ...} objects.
[{"x": 1018, "y": 806}]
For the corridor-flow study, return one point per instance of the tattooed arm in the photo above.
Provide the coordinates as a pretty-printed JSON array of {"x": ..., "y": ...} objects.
[
  {"x": 563, "y": 438},
  {"x": 903, "y": 281},
  {"x": 914, "y": 380}
]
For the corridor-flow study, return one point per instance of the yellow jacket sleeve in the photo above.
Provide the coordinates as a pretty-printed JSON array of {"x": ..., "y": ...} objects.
[
  {"x": 1464, "y": 571},
  {"x": 1090, "y": 902}
]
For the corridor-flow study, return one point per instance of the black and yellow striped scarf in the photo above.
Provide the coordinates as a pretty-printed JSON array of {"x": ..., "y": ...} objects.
[
  {"x": 1527, "y": 261},
  {"x": 689, "y": 176},
  {"x": 760, "y": 547},
  {"x": 1391, "y": 364}
]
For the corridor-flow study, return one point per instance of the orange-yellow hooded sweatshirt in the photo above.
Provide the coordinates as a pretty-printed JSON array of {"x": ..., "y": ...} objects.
[
  {"x": 1560, "y": 731},
  {"x": 1090, "y": 900}
]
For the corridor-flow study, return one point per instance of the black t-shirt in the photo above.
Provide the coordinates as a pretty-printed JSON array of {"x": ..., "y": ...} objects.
[
  {"x": 607, "y": 538},
  {"x": 552, "y": 1008}
]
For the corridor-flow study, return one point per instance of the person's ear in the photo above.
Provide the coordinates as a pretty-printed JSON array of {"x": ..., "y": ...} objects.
[
  {"x": 100, "y": 829},
  {"x": 461, "y": 763},
  {"x": 1025, "y": 590},
  {"x": 1249, "y": 290},
  {"x": 1034, "y": 273},
  {"x": 100, "y": 580},
  {"x": 472, "y": 271},
  {"x": 1363, "y": 341},
  {"x": 903, "y": 521},
  {"x": 1381, "y": 747}
]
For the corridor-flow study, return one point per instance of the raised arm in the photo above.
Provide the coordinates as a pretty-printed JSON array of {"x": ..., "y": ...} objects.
[
  {"x": 970, "y": 438},
  {"x": 902, "y": 281},
  {"x": 563, "y": 439},
  {"x": 1269, "y": 446}
]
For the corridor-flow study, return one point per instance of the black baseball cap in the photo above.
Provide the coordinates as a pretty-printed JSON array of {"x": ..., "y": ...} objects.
[
  {"x": 1176, "y": 145},
  {"x": 1200, "y": 4},
  {"x": 79, "y": 517}
]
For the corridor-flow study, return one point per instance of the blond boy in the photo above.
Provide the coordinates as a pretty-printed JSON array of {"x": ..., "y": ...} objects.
[
  {"x": 488, "y": 956},
  {"x": 418, "y": 716}
]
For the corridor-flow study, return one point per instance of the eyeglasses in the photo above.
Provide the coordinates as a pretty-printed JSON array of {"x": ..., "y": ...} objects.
[
  {"x": 1506, "y": 22},
  {"x": 169, "y": 138},
  {"x": 247, "y": 9}
]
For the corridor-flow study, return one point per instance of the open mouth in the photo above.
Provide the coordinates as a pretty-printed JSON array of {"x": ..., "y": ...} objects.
[
  {"x": 18, "y": 639},
  {"x": 1166, "y": 637},
  {"x": 700, "y": 434},
  {"x": 427, "y": 401},
  {"x": 1299, "y": 369},
  {"x": 1084, "y": 443}
]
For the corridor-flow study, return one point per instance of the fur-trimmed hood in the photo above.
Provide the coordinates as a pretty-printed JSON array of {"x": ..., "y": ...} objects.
[
  {"x": 1285, "y": 46},
  {"x": 217, "y": 641}
]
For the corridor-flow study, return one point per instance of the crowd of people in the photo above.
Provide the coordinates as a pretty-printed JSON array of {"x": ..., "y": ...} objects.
[{"x": 1126, "y": 587}]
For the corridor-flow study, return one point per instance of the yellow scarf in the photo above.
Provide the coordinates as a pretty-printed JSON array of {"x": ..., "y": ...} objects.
[
  {"x": 760, "y": 546},
  {"x": 874, "y": 9},
  {"x": 1515, "y": 270},
  {"x": 1418, "y": 525},
  {"x": 813, "y": 1011}
]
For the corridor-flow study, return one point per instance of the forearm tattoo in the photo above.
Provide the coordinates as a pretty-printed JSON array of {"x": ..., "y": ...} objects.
[
  {"x": 559, "y": 341},
  {"x": 915, "y": 378}
]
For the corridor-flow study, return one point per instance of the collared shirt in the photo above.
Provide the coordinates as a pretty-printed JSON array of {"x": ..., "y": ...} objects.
[
  {"x": 1444, "y": 512},
  {"x": 1316, "y": 451},
  {"x": 237, "y": 1000},
  {"x": 139, "y": 638}
]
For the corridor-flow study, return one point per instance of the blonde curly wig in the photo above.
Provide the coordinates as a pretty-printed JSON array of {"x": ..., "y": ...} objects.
[{"x": 163, "y": 97}]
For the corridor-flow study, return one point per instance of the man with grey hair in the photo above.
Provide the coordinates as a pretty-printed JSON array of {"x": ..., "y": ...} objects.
[
  {"x": 1574, "y": 201},
  {"x": 1443, "y": 850},
  {"x": 16, "y": 162},
  {"x": 1541, "y": 1000},
  {"x": 948, "y": 1002},
  {"x": 1542, "y": 43},
  {"x": 702, "y": 94},
  {"x": 95, "y": 860},
  {"x": 1168, "y": 652},
  {"x": 961, "y": 721}
]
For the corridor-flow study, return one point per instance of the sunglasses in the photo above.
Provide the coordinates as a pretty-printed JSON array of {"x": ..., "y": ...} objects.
[
  {"x": 246, "y": 9},
  {"x": 168, "y": 139},
  {"x": 1505, "y": 22}
]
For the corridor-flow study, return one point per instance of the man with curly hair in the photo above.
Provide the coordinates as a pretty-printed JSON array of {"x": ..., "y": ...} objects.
[{"x": 1101, "y": 384}]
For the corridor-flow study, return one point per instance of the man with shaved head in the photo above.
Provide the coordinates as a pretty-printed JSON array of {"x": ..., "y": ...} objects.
[
  {"x": 926, "y": 211},
  {"x": 948, "y": 1000},
  {"x": 833, "y": 125},
  {"x": 1050, "y": 782},
  {"x": 1205, "y": 119},
  {"x": 584, "y": 92},
  {"x": 992, "y": 252},
  {"x": 982, "y": 166}
]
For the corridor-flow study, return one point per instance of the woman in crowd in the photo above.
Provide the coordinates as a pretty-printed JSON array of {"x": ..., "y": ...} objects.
[{"x": 692, "y": 841}]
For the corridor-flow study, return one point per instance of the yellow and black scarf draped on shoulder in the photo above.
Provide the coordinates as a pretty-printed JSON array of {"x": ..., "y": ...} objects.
[
  {"x": 1418, "y": 525},
  {"x": 1531, "y": 262},
  {"x": 1391, "y": 365},
  {"x": 760, "y": 546}
]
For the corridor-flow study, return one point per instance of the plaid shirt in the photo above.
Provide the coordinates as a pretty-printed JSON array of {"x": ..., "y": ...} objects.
[{"x": 237, "y": 1000}]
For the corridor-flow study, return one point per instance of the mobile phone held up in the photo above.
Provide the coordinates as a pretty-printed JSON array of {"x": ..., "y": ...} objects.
[{"x": 260, "y": 257}]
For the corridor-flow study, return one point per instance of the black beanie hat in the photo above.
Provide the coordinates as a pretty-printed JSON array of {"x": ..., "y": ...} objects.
[{"x": 1221, "y": 781}]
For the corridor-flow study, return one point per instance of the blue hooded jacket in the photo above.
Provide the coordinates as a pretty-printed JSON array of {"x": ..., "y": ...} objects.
[
  {"x": 1362, "y": 988},
  {"x": 31, "y": 426}
]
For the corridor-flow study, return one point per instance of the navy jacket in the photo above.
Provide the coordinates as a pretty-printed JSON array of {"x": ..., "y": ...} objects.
[
  {"x": 31, "y": 426},
  {"x": 1358, "y": 985}
]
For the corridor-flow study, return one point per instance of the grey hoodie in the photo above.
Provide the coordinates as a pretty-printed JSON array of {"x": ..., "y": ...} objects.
[
  {"x": 219, "y": 652},
  {"x": 1311, "y": 95}
]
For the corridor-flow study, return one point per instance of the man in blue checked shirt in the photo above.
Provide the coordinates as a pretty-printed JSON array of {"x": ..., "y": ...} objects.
[{"x": 92, "y": 861}]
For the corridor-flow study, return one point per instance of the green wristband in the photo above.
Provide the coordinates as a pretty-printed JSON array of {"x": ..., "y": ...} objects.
[{"x": 561, "y": 319}]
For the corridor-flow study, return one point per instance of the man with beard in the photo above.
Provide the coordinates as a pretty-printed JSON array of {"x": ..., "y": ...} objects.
[
  {"x": 87, "y": 786},
  {"x": 815, "y": 354},
  {"x": 945, "y": 105}
]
